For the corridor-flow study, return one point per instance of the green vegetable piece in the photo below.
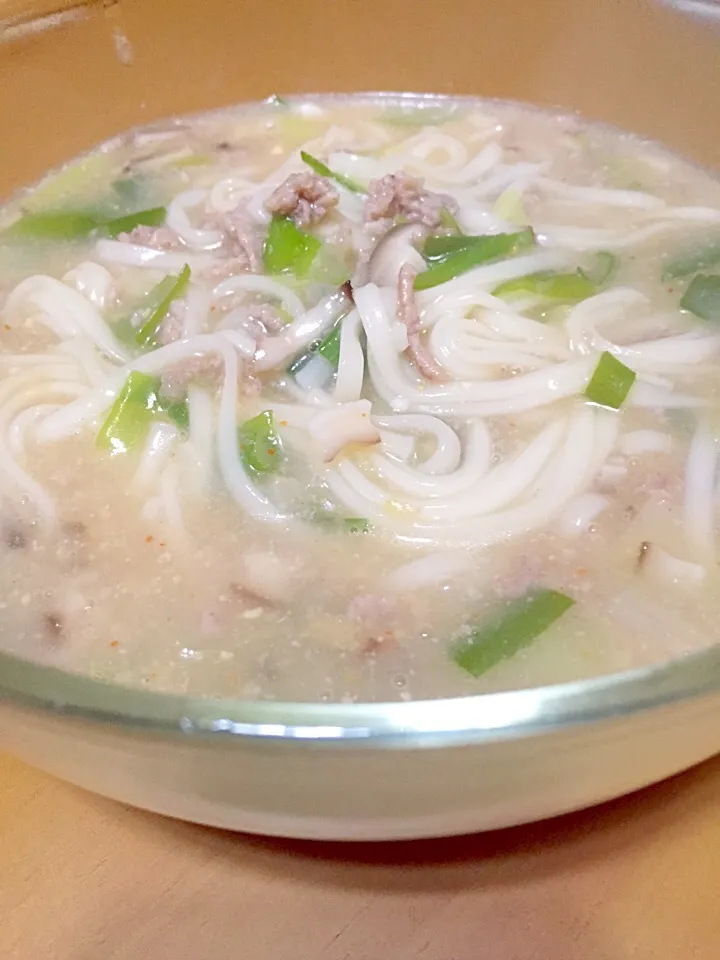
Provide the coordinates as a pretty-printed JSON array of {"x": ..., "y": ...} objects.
[
  {"x": 53, "y": 226},
  {"x": 513, "y": 630},
  {"x": 129, "y": 419},
  {"x": 556, "y": 286},
  {"x": 510, "y": 207},
  {"x": 449, "y": 257},
  {"x": 601, "y": 268},
  {"x": 707, "y": 256},
  {"x": 448, "y": 221},
  {"x": 357, "y": 525},
  {"x": 163, "y": 295},
  {"x": 702, "y": 297},
  {"x": 260, "y": 444},
  {"x": 322, "y": 169},
  {"x": 146, "y": 218},
  {"x": 289, "y": 249},
  {"x": 610, "y": 383},
  {"x": 178, "y": 412},
  {"x": 330, "y": 346}
]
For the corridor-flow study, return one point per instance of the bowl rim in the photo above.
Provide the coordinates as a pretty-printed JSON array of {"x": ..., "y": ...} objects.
[{"x": 487, "y": 717}]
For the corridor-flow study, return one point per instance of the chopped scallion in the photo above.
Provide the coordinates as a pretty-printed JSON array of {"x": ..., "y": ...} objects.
[
  {"x": 169, "y": 289},
  {"x": 289, "y": 249},
  {"x": 556, "y": 286},
  {"x": 53, "y": 226},
  {"x": 702, "y": 297},
  {"x": 260, "y": 444},
  {"x": 357, "y": 525},
  {"x": 514, "y": 629},
  {"x": 600, "y": 267},
  {"x": 146, "y": 218},
  {"x": 178, "y": 412},
  {"x": 707, "y": 256},
  {"x": 330, "y": 346},
  {"x": 610, "y": 383},
  {"x": 449, "y": 257},
  {"x": 510, "y": 207},
  {"x": 76, "y": 225},
  {"x": 129, "y": 419},
  {"x": 323, "y": 170}
]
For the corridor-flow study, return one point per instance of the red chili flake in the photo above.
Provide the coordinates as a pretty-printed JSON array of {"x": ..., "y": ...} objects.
[
  {"x": 149, "y": 538},
  {"x": 114, "y": 643}
]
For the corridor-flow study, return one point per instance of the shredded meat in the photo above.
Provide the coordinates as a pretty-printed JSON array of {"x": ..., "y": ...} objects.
[
  {"x": 400, "y": 195},
  {"x": 159, "y": 238},
  {"x": 205, "y": 369},
  {"x": 242, "y": 245},
  {"x": 408, "y": 313},
  {"x": 304, "y": 197}
]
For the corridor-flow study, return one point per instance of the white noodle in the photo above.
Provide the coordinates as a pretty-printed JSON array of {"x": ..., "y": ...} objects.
[
  {"x": 135, "y": 255},
  {"x": 699, "y": 492},
  {"x": 178, "y": 220},
  {"x": 63, "y": 310},
  {"x": 265, "y": 285}
]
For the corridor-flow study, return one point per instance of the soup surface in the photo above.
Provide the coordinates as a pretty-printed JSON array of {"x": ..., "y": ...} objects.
[{"x": 360, "y": 399}]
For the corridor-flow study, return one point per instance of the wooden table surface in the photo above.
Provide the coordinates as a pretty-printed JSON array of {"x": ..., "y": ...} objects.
[{"x": 83, "y": 878}]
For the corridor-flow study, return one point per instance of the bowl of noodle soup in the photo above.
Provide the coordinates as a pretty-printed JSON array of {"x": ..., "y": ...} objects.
[{"x": 359, "y": 451}]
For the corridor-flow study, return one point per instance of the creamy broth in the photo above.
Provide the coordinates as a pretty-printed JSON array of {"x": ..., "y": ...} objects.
[{"x": 355, "y": 399}]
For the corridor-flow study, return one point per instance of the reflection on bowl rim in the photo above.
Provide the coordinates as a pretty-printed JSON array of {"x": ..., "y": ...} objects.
[{"x": 443, "y": 722}]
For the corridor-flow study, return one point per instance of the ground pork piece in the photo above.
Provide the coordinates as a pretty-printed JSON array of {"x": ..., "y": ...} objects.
[
  {"x": 408, "y": 313},
  {"x": 400, "y": 195},
  {"x": 242, "y": 241},
  {"x": 207, "y": 369},
  {"x": 241, "y": 247},
  {"x": 159, "y": 238},
  {"x": 304, "y": 197}
]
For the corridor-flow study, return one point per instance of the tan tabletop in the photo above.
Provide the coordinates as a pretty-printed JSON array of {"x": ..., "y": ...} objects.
[{"x": 83, "y": 878}]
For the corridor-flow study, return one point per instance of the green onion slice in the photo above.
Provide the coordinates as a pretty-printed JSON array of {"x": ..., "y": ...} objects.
[
  {"x": 702, "y": 297},
  {"x": 322, "y": 169},
  {"x": 707, "y": 256},
  {"x": 600, "y": 268},
  {"x": 162, "y": 296},
  {"x": 153, "y": 217},
  {"x": 260, "y": 444},
  {"x": 289, "y": 249},
  {"x": 449, "y": 257},
  {"x": 610, "y": 383},
  {"x": 53, "y": 226},
  {"x": 515, "y": 628},
  {"x": 130, "y": 416},
  {"x": 555, "y": 286}
]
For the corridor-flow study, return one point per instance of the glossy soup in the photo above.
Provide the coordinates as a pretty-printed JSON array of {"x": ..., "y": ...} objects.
[{"x": 360, "y": 399}]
